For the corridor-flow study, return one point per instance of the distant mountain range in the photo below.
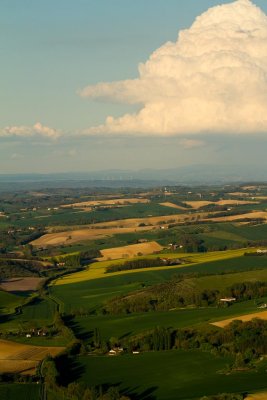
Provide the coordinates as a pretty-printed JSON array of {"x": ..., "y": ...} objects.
[{"x": 191, "y": 175}]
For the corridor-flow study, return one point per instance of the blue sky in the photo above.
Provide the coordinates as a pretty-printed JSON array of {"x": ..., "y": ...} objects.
[{"x": 51, "y": 49}]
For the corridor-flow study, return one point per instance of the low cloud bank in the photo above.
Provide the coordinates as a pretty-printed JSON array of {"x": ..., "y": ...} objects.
[{"x": 30, "y": 131}]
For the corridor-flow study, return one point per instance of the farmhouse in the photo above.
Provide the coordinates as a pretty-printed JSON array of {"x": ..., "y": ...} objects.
[
  {"x": 263, "y": 306},
  {"x": 228, "y": 299},
  {"x": 115, "y": 351},
  {"x": 142, "y": 240}
]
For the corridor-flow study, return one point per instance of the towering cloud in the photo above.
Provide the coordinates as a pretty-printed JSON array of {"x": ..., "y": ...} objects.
[{"x": 212, "y": 79}]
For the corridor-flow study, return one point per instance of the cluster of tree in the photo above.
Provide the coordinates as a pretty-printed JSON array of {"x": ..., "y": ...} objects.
[
  {"x": 12, "y": 378},
  {"x": 248, "y": 290},
  {"x": 136, "y": 264},
  {"x": 192, "y": 244},
  {"x": 179, "y": 294},
  {"x": 71, "y": 260},
  {"x": 256, "y": 253},
  {"x": 224, "y": 396},
  {"x": 89, "y": 255},
  {"x": 161, "y": 297},
  {"x": 245, "y": 341},
  {"x": 74, "y": 390},
  {"x": 13, "y": 237},
  {"x": 226, "y": 213},
  {"x": 14, "y": 268},
  {"x": 76, "y": 260}
]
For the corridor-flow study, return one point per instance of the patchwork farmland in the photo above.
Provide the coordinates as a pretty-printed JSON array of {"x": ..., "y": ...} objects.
[{"x": 142, "y": 281}]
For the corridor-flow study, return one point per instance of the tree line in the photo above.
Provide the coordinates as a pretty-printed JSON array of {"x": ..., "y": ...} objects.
[{"x": 173, "y": 294}]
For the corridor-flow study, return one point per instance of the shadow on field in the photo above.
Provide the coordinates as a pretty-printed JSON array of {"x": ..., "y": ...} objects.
[
  {"x": 125, "y": 335},
  {"x": 4, "y": 317},
  {"x": 69, "y": 369},
  {"x": 134, "y": 392},
  {"x": 69, "y": 320}
]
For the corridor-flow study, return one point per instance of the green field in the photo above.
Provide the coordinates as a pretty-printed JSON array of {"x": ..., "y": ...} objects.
[
  {"x": 90, "y": 294},
  {"x": 8, "y": 302},
  {"x": 170, "y": 375},
  {"x": 221, "y": 282},
  {"x": 201, "y": 263},
  {"x": 80, "y": 297},
  {"x": 215, "y": 236},
  {"x": 205, "y": 263},
  {"x": 246, "y": 232},
  {"x": 120, "y": 326},
  {"x": 19, "y": 391},
  {"x": 77, "y": 217},
  {"x": 38, "y": 314}
]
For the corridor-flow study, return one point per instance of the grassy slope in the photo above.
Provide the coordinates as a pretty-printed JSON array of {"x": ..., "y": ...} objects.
[
  {"x": 8, "y": 302},
  {"x": 75, "y": 216},
  {"x": 39, "y": 314},
  {"x": 125, "y": 325},
  {"x": 221, "y": 282},
  {"x": 171, "y": 375},
  {"x": 88, "y": 292}
]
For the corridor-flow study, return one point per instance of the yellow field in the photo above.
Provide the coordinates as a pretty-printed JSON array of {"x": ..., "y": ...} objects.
[
  {"x": 130, "y": 251},
  {"x": 250, "y": 187},
  {"x": 155, "y": 221},
  {"x": 244, "y": 318},
  {"x": 112, "y": 202},
  {"x": 260, "y": 197},
  {"x": 97, "y": 270},
  {"x": 68, "y": 237},
  {"x": 252, "y": 215},
  {"x": 23, "y": 358},
  {"x": 257, "y": 396},
  {"x": 240, "y": 194},
  {"x": 197, "y": 204},
  {"x": 105, "y": 229},
  {"x": 24, "y": 367}
]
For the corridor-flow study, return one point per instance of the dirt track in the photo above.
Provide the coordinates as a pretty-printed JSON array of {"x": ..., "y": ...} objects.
[{"x": 198, "y": 204}]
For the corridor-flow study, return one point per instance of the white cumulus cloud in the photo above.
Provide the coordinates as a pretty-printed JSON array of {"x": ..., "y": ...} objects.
[
  {"x": 30, "y": 131},
  {"x": 212, "y": 79}
]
